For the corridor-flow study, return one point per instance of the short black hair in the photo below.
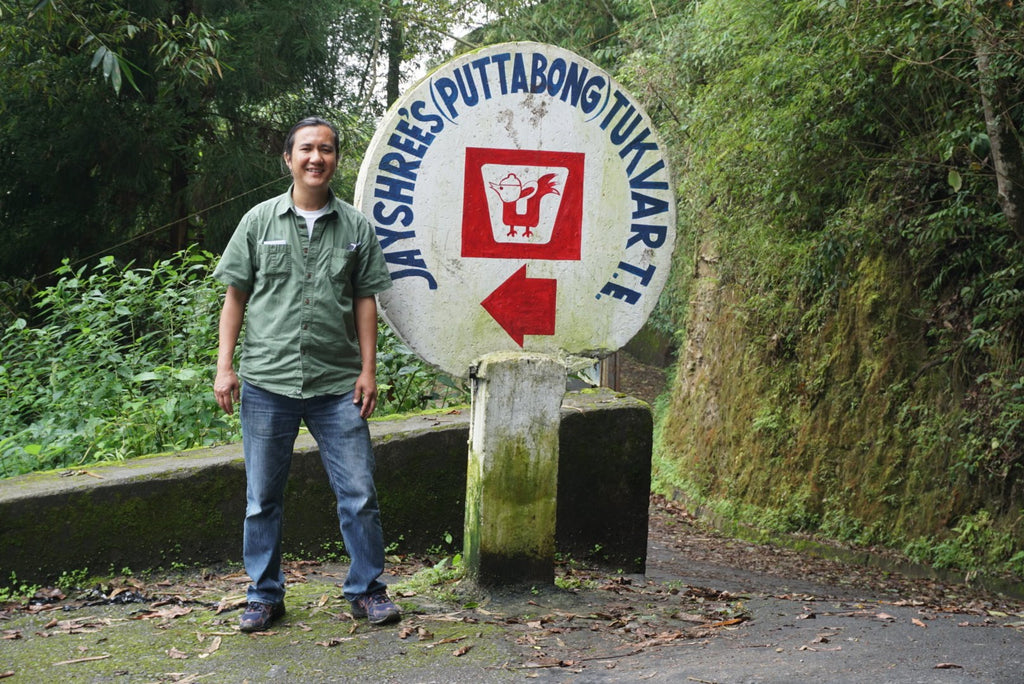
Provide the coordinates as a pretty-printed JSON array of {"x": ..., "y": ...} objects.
[{"x": 289, "y": 142}]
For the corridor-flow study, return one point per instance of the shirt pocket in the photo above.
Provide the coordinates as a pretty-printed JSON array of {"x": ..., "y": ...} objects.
[
  {"x": 342, "y": 263},
  {"x": 275, "y": 260}
]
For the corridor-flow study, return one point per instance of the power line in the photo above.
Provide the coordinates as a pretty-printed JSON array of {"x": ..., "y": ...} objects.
[{"x": 166, "y": 226}]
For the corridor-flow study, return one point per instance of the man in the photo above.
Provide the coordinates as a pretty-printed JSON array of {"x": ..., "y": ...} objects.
[{"x": 306, "y": 267}]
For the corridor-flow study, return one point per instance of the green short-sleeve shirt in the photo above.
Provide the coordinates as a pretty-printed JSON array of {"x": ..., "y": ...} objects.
[{"x": 300, "y": 335}]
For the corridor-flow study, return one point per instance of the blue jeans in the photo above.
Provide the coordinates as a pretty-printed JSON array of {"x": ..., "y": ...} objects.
[{"x": 270, "y": 424}]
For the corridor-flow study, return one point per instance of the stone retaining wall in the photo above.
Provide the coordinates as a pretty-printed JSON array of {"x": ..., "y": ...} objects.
[{"x": 187, "y": 508}]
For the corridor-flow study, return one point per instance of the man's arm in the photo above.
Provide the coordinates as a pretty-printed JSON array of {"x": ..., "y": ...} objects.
[
  {"x": 226, "y": 387},
  {"x": 366, "y": 330}
]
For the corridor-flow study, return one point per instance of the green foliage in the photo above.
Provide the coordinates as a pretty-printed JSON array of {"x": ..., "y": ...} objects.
[
  {"x": 976, "y": 544},
  {"x": 118, "y": 365},
  {"x": 91, "y": 167},
  {"x": 17, "y": 591},
  {"x": 440, "y": 580},
  {"x": 117, "y": 362},
  {"x": 588, "y": 27},
  {"x": 852, "y": 283},
  {"x": 406, "y": 384}
]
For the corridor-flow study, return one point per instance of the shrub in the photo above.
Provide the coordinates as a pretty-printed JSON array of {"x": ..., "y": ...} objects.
[{"x": 115, "y": 362}]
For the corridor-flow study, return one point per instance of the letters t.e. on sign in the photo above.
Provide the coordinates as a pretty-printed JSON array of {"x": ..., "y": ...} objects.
[{"x": 523, "y": 202}]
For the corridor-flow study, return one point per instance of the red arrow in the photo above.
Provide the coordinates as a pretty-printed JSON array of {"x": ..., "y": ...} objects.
[{"x": 523, "y": 306}]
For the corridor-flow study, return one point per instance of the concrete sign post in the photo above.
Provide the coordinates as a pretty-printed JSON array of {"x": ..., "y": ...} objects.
[
  {"x": 512, "y": 481},
  {"x": 524, "y": 206}
]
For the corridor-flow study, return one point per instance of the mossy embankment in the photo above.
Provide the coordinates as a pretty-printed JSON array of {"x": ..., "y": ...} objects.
[
  {"x": 848, "y": 289},
  {"x": 846, "y": 424}
]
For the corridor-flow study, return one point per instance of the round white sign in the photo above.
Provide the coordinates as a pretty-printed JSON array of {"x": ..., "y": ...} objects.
[{"x": 523, "y": 202}]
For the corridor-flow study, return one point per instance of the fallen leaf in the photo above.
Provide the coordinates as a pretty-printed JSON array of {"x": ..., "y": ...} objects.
[
  {"x": 72, "y": 473},
  {"x": 176, "y": 654},
  {"x": 948, "y": 666},
  {"x": 4, "y": 675},
  {"x": 80, "y": 625},
  {"x": 166, "y": 614},
  {"x": 919, "y": 623},
  {"x": 83, "y": 660},
  {"x": 230, "y": 603},
  {"x": 462, "y": 651},
  {"x": 214, "y": 645},
  {"x": 333, "y": 641},
  {"x": 41, "y": 608},
  {"x": 49, "y": 595},
  {"x": 449, "y": 640},
  {"x": 170, "y": 600}
]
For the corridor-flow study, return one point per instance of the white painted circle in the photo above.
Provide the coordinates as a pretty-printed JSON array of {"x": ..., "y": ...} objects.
[{"x": 523, "y": 202}]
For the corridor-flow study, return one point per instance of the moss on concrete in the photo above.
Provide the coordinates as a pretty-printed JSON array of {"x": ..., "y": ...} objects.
[{"x": 316, "y": 641}]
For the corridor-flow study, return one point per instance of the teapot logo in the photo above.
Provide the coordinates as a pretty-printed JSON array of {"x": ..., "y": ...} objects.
[{"x": 522, "y": 204}]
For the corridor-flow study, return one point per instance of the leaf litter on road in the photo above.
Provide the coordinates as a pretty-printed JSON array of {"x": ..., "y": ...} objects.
[{"x": 609, "y": 617}]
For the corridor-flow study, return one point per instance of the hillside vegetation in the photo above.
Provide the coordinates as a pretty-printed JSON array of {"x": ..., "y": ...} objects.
[{"x": 847, "y": 296}]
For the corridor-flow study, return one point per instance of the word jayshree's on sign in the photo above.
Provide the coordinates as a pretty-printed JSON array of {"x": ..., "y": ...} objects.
[{"x": 509, "y": 188}]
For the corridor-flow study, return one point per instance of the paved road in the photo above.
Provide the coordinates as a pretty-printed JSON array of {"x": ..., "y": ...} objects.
[{"x": 708, "y": 610}]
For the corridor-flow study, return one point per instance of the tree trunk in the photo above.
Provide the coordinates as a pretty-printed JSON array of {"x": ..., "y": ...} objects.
[
  {"x": 182, "y": 157},
  {"x": 395, "y": 47},
  {"x": 1006, "y": 150}
]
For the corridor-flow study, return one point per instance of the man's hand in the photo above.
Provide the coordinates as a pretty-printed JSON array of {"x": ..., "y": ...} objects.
[
  {"x": 365, "y": 394},
  {"x": 226, "y": 389}
]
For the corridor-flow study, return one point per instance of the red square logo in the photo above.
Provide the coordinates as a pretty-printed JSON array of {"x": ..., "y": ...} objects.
[{"x": 522, "y": 204}]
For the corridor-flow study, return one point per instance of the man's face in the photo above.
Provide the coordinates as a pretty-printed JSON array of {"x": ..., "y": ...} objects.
[{"x": 313, "y": 159}]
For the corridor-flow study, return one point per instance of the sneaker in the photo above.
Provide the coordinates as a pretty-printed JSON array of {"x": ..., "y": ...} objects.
[
  {"x": 377, "y": 608},
  {"x": 258, "y": 616}
]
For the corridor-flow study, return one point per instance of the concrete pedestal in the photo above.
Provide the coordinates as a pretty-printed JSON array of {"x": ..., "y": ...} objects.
[{"x": 512, "y": 478}]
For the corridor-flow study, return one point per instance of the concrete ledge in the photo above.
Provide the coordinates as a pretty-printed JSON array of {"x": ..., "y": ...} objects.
[{"x": 188, "y": 507}]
